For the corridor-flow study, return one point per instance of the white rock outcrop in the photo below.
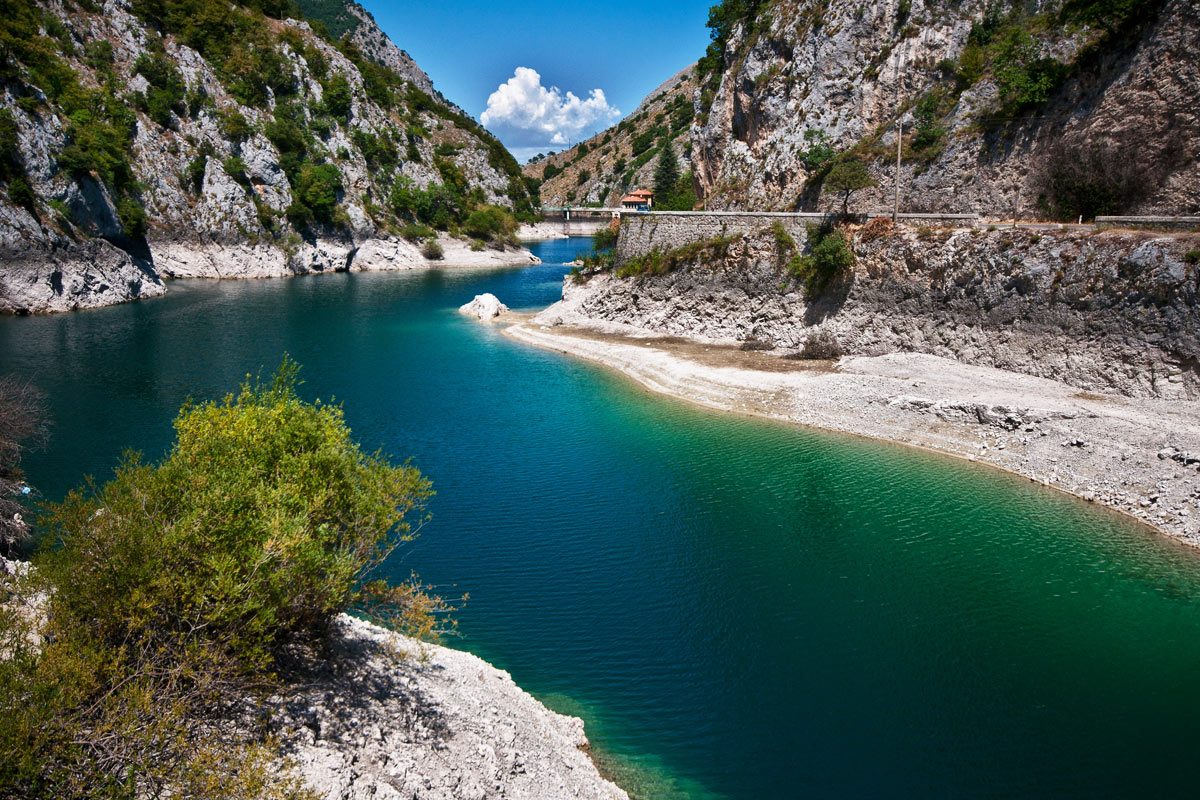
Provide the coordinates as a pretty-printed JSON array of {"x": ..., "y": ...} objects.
[
  {"x": 485, "y": 307},
  {"x": 391, "y": 718}
]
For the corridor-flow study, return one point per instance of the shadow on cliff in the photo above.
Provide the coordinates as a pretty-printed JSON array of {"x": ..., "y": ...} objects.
[
  {"x": 831, "y": 301},
  {"x": 354, "y": 682}
]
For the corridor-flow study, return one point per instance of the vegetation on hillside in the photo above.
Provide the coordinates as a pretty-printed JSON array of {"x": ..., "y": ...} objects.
[
  {"x": 602, "y": 169},
  {"x": 255, "y": 60},
  {"x": 179, "y": 591},
  {"x": 828, "y": 254},
  {"x": 661, "y": 262}
]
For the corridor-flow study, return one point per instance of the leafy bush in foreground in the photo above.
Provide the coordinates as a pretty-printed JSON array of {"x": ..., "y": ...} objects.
[{"x": 179, "y": 589}]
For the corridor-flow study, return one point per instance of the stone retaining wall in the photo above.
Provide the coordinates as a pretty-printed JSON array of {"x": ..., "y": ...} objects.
[
  {"x": 666, "y": 230},
  {"x": 642, "y": 232},
  {"x": 1151, "y": 223}
]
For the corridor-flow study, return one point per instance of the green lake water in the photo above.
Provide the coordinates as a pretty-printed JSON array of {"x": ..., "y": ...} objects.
[{"x": 738, "y": 609}]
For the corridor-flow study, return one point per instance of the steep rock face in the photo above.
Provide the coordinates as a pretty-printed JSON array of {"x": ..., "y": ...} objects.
[
  {"x": 850, "y": 71},
  {"x": 617, "y": 160},
  {"x": 1108, "y": 311},
  {"x": 264, "y": 161},
  {"x": 86, "y": 275}
]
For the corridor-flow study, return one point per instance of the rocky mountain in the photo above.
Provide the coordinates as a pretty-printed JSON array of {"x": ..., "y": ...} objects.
[
  {"x": 603, "y": 168},
  {"x": 145, "y": 139},
  {"x": 1051, "y": 109},
  {"x": 1056, "y": 108}
]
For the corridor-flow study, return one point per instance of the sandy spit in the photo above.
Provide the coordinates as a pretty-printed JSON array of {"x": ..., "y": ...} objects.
[{"x": 1136, "y": 456}]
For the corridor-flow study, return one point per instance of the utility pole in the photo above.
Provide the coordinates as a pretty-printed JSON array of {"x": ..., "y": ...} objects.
[
  {"x": 899, "y": 142},
  {"x": 899, "y": 138}
]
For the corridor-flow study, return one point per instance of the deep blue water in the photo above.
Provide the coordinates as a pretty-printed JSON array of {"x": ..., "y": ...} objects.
[{"x": 738, "y": 609}]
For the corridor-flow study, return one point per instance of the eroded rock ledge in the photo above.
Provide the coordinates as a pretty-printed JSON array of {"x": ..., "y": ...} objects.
[
  {"x": 390, "y": 718},
  {"x": 1113, "y": 311},
  {"x": 95, "y": 272}
]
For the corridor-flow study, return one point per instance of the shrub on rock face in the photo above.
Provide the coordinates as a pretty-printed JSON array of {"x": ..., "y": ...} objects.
[{"x": 829, "y": 255}]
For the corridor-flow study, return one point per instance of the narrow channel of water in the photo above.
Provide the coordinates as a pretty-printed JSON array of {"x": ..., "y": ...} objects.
[{"x": 738, "y": 609}]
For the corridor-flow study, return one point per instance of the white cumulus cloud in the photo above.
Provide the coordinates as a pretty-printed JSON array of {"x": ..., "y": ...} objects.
[{"x": 526, "y": 115}]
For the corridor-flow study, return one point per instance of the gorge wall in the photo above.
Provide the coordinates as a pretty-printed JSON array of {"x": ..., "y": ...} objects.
[
  {"x": 146, "y": 139},
  {"x": 1050, "y": 109},
  {"x": 1110, "y": 311}
]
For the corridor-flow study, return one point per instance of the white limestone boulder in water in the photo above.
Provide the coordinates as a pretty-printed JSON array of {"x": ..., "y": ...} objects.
[{"x": 484, "y": 307}]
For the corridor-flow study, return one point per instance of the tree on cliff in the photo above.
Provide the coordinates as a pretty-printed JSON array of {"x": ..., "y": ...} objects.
[
  {"x": 672, "y": 191},
  {"x": 666, "y": 172},
  {"x": 845, "y": 178},
  {"x": 179, "y": 591}
]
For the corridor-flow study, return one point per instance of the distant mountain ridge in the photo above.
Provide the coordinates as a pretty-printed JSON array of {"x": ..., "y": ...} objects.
[{"x": 621, "y": 158}]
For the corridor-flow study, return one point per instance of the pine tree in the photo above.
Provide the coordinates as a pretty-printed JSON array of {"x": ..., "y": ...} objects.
[{"x": 666, "y": 174}]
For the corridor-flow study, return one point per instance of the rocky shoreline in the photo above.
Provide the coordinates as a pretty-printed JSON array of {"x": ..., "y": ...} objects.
[
  {"x": 1136, "y": 456},
  {"x": 382, "y": 716},
  {"x": 391, "y": 718},
  {"x": 97, "y": 273}
]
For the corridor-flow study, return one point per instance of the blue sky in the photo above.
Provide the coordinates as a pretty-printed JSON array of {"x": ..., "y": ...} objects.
[{"x": 527, "y": 57}]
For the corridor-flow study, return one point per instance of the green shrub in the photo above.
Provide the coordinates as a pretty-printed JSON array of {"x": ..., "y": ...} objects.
[
  {"x": 829, "y": 254},
  {"x": 416, "y": 232},
  {"x": 167, "y": 89},
  {"x": 1192, "y": 257},
  {"x": 236, "y": 169},
  {"x": 604, "y": 239},
  {"x": 338, "y": 97},
  {"x": 847, "y": 177},
  {"x": 659, "y": 262},
  {"x": 132, "y": 216},
  {"x": 818, "y": 151},
  {"x": 432, "y": 250},
  {"x": 20, "y": 193},
  {"x": 193, "y": 176},
  {"x": 378, "y": 150},
  {"x": 99, "y": 54},
  {"x": 233, "y": 125},
  {"x": 490, "y": 223},
  {"x": 176, "y": 589},
  {"x": 1024, "y": 77},
  {"x": 11, "y": 162}
]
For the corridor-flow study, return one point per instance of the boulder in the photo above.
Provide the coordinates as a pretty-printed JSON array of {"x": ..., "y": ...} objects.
[{"x": 484, "y": 307}]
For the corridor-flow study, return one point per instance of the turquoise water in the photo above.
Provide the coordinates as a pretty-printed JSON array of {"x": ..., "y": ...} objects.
[{"x": 738, "y": 609}]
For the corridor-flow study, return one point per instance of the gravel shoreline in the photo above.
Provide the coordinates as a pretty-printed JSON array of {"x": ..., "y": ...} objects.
[{"x": 1140, "y": 457}]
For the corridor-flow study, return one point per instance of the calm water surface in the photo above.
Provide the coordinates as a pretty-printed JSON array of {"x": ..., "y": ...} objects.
[{"x": 738, "y": 609}]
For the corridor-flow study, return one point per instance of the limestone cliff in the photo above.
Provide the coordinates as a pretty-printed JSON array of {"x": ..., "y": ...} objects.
[
  {"x": 144, "y": 139},
  {"x": 1114, "y": 311},
  {"x": 1056, "y": 108}
]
